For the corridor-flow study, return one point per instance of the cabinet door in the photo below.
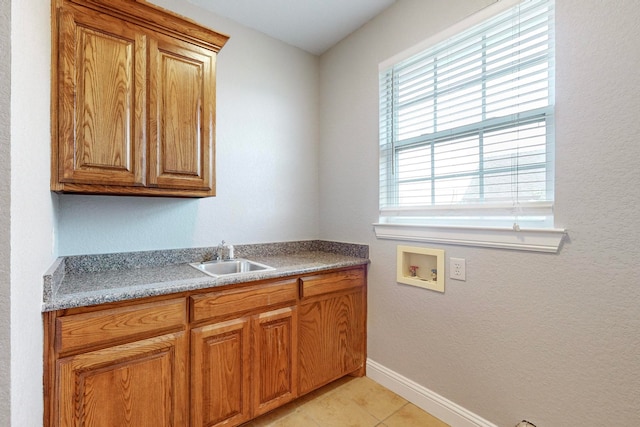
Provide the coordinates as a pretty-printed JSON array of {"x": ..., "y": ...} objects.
[
  {"x": 275, "y": 359},
  {"x": 102, "y": 99},
  {"x": 138, "y": 384},
  {"x": 331, "y": 338},
  {"x": 182, "y": 115},
  {"x": 220, "y": 374}
]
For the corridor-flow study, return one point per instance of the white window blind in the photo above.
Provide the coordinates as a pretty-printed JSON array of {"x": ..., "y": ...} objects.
[{"x": 466, "y": 126}]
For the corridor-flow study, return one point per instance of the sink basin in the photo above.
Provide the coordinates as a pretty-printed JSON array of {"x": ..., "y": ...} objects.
[{"x": 227, "y": 267}]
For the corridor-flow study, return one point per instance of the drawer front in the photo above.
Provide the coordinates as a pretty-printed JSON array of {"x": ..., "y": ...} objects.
[
  {"x": 224, "y": 303},
  {"x": 331, "y": 282},
  {"x": 83, "y": 330}
]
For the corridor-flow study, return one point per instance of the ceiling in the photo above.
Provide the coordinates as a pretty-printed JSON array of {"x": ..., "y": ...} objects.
[{"x": 312, "y": 25}]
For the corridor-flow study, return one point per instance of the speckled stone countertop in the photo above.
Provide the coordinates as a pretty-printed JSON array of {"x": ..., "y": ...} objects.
[{"x": 84, "y": 280}]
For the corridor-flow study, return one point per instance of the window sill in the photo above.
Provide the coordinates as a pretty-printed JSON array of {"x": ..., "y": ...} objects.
[{"x": 537, "y": 240}]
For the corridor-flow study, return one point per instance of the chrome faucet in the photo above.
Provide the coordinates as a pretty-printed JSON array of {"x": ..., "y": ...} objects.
[
  {"x": 224, "y": 252},
  {"x": 219, "y": 251}
]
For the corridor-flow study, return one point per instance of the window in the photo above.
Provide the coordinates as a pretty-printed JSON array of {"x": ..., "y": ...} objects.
[{"x": 467, "y": 128}]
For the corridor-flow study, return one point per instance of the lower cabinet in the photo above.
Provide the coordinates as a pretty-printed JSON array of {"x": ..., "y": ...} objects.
[
  {"x": 137, "y": 384},
  {"x": 332, "y": 333},
  {"x": 125, "y": 365},
  {"x": 221, "y": 373},
  {"x": 275, "y": 359},
  {"x": 204, "y": 358},
  {"x": 242, "y": 368}
]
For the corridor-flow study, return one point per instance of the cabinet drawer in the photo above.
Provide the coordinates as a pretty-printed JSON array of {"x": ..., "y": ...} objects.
[
  {"x": 331, "y": 282},
  {"x": 117, "y": 324},
  {"x": 223, "y": 303}
]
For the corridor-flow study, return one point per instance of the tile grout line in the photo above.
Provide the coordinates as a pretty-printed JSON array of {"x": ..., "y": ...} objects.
[{"x": 394, "y": 412}]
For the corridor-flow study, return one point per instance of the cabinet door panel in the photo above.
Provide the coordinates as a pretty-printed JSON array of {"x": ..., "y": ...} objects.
[
  {"x": 181, "y": 115},
  {"x": 220, "y": 374},
  {"x": 137, "y": 384},
  {"x": 102, "y": 97},
  {"x": 331, "y": 338},
  {"x": 275, "y": 359}
]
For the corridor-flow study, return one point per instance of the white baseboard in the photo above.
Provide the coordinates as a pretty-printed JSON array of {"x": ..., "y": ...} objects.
[{"x": 441, "y": 408}]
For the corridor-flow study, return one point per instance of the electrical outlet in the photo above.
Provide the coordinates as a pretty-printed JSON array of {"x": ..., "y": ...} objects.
[{"x": 457, "y": 269}]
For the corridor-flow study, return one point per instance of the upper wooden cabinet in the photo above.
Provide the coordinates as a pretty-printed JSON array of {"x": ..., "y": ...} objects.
[{"x": 133, "y": 100}]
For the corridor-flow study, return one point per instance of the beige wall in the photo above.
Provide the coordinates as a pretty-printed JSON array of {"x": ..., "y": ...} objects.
[{"x": 550, "y": 338}]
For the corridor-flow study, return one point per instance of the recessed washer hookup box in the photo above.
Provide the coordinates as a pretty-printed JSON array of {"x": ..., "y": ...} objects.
[{"x": 422, "y": 267}]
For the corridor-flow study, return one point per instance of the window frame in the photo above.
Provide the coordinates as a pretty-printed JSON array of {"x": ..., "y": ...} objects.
[{"x": 467, "y": 224}]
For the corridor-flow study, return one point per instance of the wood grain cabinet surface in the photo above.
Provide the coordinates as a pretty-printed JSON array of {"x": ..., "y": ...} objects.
[
  {"x": 275, "y": 359},
  {"x": 214, "y": 357},
  {"x": 125, "y": 365},
  {"x": 244, "y": 357},
  {"x": 142, "y": 383},
  {"x": 135, "y": 109},
  {"x": 332, "y": 327},
  {"x": 221, "y": 373}
]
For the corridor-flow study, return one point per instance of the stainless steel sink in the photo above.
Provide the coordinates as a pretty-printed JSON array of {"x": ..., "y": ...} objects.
[{"x": 226, "y": 267}]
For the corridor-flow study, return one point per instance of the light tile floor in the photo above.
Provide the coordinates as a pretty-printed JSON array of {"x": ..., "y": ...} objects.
[{"x": 348, "y": 402}]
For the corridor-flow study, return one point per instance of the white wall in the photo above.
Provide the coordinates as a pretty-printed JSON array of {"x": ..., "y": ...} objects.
[
  {"x": 32, "y": 205},
  {"x": 551, "y": 338},
  {"x": 5, "y": 207},
  {"x": 266, "y": 150}
]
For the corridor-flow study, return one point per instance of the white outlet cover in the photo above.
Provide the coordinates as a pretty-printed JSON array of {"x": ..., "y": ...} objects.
[{"x": 457, "y": 269}]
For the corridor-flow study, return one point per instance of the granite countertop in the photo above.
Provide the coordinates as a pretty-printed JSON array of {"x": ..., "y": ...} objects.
[{"x": 85, "y": 280}]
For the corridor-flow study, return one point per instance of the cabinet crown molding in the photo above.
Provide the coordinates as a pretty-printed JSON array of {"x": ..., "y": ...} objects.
[{"x": 156, "y": 18}]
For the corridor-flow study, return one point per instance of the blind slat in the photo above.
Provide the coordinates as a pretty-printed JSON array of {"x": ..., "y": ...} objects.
[{"x": 467, "y": 125}]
